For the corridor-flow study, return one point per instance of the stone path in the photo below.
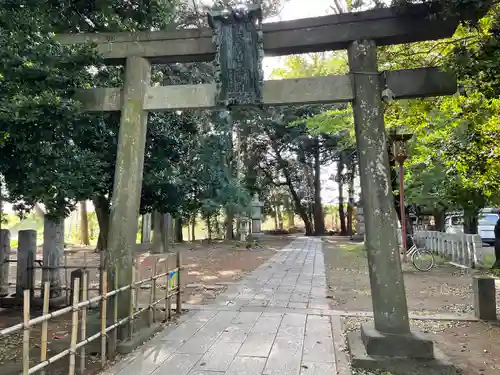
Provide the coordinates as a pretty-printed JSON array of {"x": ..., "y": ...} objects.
[{"x": 269, "y": 323}]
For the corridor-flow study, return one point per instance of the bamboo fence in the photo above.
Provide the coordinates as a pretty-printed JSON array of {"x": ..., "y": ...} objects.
[{"x": 78, "y": 310}]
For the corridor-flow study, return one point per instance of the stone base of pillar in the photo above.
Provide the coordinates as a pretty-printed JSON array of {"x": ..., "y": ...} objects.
[
  {"x": 411, "y": 345},
  {"x": 399, "y": 354}
]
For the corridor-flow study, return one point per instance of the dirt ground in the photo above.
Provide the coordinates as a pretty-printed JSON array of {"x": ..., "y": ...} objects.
[
  {"x": 472, "y": 346},
  {"x": 207, "y": 269}
]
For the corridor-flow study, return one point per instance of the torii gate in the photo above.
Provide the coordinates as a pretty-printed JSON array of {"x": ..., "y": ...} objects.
[{"x": 359, "y": 33}]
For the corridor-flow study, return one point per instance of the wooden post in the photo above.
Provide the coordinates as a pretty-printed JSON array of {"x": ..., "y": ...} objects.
[
  {"x": 128, "y": 177},
  {"x": 74, "y": 328},
  {"x": 178, "y": 300},
  {"x": 45, "y": 324},
  {"x": 104, "y": 309},
  {"x": 53, "y": 253},
  {"x": 26, "y": 253},
  {"x": 84, "y": 318},
  {"x": 26, "y": 332}
]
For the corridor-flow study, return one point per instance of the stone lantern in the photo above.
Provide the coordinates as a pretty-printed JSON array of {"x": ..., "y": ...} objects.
[
  {"x": 360, "y": 220},
  {"x": 256, "y": 215},
  {"x": 243, "y": 227}
]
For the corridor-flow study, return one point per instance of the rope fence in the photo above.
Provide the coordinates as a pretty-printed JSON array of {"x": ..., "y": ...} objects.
[{"x": 110, "y": 319}]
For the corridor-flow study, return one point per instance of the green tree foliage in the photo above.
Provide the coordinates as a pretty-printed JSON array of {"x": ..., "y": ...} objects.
[
  {"x": 38, "y": 78},
  {"x": 454, "y": 157},
  {"x": 54, "y": 154}
]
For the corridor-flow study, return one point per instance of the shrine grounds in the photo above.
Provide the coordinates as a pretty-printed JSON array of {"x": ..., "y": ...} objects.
[{"x": 440, "y": 301}]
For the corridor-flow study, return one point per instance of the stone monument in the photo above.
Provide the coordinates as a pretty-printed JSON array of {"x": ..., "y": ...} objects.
[
  {"x": 256, "y": 215},
  {"x": 360, "y": 221}
]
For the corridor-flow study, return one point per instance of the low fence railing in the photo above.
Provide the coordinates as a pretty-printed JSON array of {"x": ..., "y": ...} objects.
[
  {"x": 109, "y": 317},
  {"x": 464, "y": 250}
]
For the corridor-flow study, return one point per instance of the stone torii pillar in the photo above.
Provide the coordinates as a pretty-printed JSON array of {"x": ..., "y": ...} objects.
[
  {"x": 128, "y": 181},
  {"x": 390, "y": 336}
]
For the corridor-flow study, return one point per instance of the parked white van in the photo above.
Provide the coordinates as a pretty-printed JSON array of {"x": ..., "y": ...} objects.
[{"x": 454, "y": 223}]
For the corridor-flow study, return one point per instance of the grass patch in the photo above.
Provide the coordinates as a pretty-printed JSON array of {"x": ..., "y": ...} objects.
[
  {"x": 439, "y": 260},
  {"x": 489, "y": 260},
  {"x": 354, "y": 249}
]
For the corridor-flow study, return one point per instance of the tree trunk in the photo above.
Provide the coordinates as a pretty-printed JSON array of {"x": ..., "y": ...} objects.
[
  {"x": 209, "y": 228},
  {"x": 84, "y": 224},
  {"x": 167, "y": 232},
  {"x": 350, "y": 201},
  {"x": 178, "y": 230},
  {"x": 304, "y": 215},
  {"x": 301, "y": 211},
  {"x": 280, "y": 217},
  {"x": 193, "y": 228},
  {"x": 1, "y": 204},
  {"x": 275, "y": 217},
  {"x": 296, "y": 200},
  {"x": 319, "y": 217},
  {"x": 340, "y": 182},
  {"x": 290, "y": 214},
  {"x": 343, "y": 228},
  {"x": 158, "y": 229},
  {"x": 229, "y": 224},
  {"x": 439, "y": 219},
  {"x": 101, "y": 205},
  {"x": 471, "y": 221}
]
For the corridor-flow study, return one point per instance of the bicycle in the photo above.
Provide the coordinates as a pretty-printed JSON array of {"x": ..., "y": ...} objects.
[{"x": 421, "y": 258}]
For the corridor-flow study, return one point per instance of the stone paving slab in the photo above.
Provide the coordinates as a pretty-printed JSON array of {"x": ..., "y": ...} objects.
[{"x": 265, "y": 324}]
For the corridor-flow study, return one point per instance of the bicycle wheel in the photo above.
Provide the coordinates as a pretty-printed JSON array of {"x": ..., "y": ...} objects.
[{"x": 423, "y": 260}]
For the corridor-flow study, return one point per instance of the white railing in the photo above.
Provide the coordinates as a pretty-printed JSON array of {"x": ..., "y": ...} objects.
[{"x": 460, "y": 249}]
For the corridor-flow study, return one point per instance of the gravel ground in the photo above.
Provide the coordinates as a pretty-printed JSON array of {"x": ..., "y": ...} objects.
[{"x": 472, "y": 346}]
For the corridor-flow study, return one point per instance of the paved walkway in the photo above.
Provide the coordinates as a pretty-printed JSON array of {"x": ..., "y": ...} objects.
[{"x": 262, "y": 325}]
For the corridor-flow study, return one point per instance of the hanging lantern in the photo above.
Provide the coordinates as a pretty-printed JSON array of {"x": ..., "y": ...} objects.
[
  {"x": 239, "y": 52},
  {"x": 400, "y": 146}
]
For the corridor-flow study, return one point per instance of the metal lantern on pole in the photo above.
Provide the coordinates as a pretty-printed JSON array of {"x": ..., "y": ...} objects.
[{"x": 400, "y": 154}]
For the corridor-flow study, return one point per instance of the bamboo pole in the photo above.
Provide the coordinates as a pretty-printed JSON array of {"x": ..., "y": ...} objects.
[
  {"x": 84, "y": 320},
  {"x": 168, "y": 309},
  {"x": 104, "y": 309},
  {"x": 153, "y": 289},
  {"x": 138, "y": 278},
  {"x": 178, "y": 299},
  {"x": 150, "y": 304},
  {"x": 26, "y": 333},
  {"x": 74, "y": 327},
  {"x": 132, "y": 304},
  {"x": 115, "y": 312},
  {"x": 66, "y": 285},
  {"x": 45, "y": 323}
]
